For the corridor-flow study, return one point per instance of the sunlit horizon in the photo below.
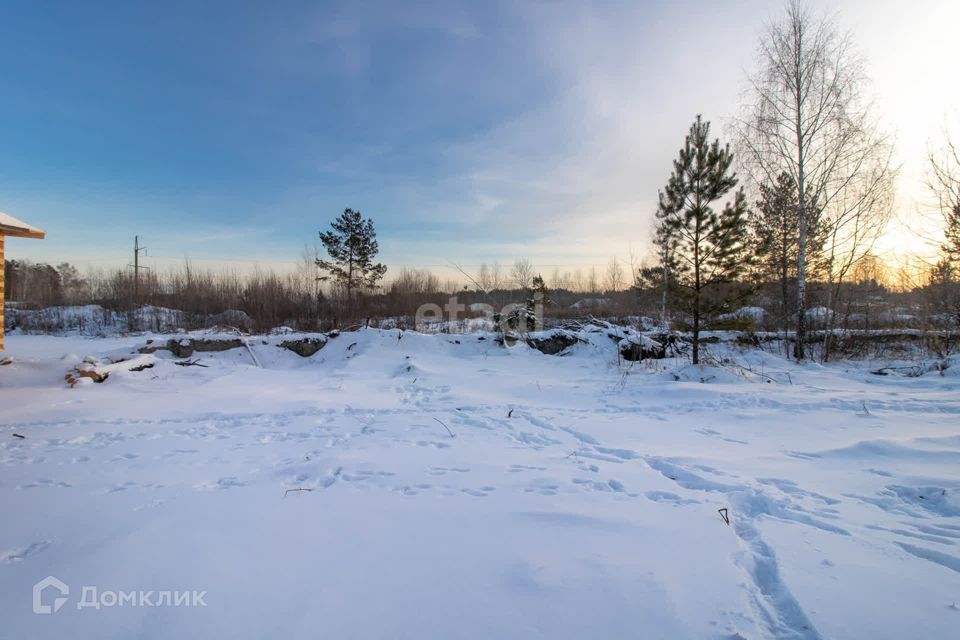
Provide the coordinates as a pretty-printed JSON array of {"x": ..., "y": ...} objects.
[{"x": 558, "y": 160}]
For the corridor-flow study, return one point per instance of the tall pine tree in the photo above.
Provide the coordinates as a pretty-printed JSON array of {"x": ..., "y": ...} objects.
[
  {"x": 352, "y": 246},
  {"x": 703, "y": 250}
]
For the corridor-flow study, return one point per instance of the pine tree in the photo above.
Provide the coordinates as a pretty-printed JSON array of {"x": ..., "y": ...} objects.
[
  {"x": 945, "y": 274},
  {"x": 774, "y": 222},
  {"x": 705, "y": 250},
  {"x": 352, "y": 246},
  {"x": 951, "y": 233},
  {"x": 538, "y": 291}
]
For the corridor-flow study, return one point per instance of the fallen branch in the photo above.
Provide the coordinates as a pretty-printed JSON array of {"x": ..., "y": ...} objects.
[
  {"x": 189, "y": 363},
  {"x": 910, "y": 371},
  {"x": 295, "y": 490}
]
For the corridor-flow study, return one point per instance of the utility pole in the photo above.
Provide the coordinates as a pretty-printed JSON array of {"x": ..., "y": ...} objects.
[
  {"x": 136, "y": 278},
  {"x": 136, "y": 268}
]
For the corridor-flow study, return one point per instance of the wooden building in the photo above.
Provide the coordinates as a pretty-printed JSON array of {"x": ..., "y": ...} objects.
[{"x": 10, "y": 226}]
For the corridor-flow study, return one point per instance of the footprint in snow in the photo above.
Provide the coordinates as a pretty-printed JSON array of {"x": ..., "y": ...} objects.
[
  {"x": 227, "y": 482},
  {"x": 44, "y": 482},
  {"x": 611, "y": 485},
  {"x": 666, "y": 496},
  {"x": 479, "y": 493},
  {"x": 545, "y": 490},
  {"x": 441, "y": 471},
  {"x": 713, "y": 433},
  {"x": 517, "y": 468},
  {"x": 9, "y": 557},
  {"x": 435, "y": 445}
]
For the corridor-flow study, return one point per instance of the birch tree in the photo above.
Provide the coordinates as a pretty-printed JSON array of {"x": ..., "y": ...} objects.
[{"x": 806, "y": 117}]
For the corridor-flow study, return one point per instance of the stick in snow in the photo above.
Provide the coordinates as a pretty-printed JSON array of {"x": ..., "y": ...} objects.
[
  {"x": 297, "y": 489},
  {"x": 445, "y": 427},
  {"x": 246, "y": 344},
  {"x": 725, "y": 515}
]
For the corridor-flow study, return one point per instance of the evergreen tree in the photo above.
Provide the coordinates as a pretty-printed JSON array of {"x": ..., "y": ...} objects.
[
  {"x": 944, "y": 275},
  {"x": 352, "y": 246},
  {"x": 774, "y": 223},
  {"x": 951, "y": 233},
  {"x": 538, "y": 292},
  {"x": 704, "y": 251}
]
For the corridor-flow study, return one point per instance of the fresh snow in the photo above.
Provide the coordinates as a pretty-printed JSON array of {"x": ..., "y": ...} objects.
[{"x": 578, "y": 496}]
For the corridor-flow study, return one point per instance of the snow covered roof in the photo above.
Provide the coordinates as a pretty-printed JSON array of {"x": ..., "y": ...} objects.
[{"x": 10, "y": 226}]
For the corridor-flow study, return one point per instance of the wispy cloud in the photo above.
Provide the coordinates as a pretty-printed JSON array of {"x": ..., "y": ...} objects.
[{"x": 469, "y": 131}]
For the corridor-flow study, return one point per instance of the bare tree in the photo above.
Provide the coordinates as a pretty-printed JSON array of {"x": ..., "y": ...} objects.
[
  {"x": 496, "y": 277},
  {"x": 593, "y": 280},
  {"x": 413, "y": 283},
  {"x": 556, "y": 280},
  {"x": 483, "y": 277},
  {"x": 856, "y": 217},
  {"x": 634, "y": 264},
  {"x": 576, "y": 281},
  {"x": 806, "y": 117},
  {"x": 944, "y": 183},
  {"x": 522, "y": 273},
  {"x": 309, "y": 278},
  {"x": 614, "y": 275}
]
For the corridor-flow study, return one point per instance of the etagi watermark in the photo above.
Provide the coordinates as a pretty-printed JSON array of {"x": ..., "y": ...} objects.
[
  {"x": 51, "y": 593},
  {"x": 456, "y": 317}
]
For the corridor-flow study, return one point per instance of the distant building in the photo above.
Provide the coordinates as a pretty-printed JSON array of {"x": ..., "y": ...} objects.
[{"x": 10, "y": 226}]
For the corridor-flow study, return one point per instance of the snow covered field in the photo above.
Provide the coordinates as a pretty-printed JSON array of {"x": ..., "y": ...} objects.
[{"x": 578, "y": 496}]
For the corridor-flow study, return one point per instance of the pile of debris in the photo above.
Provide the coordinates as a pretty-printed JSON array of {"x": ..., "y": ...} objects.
[{"x": 96, "y": 370}]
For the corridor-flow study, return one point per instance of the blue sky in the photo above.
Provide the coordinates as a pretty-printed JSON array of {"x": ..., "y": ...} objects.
[{"x": 230, "y": 133}]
